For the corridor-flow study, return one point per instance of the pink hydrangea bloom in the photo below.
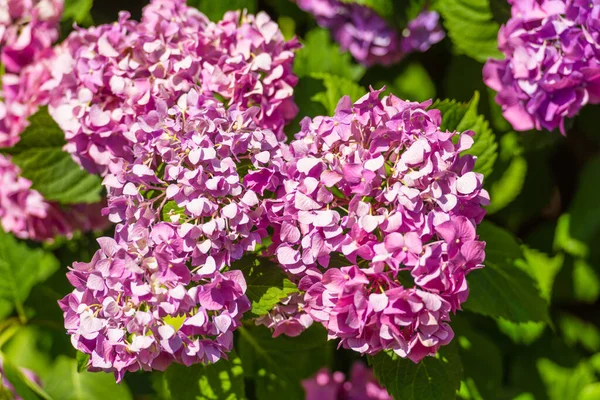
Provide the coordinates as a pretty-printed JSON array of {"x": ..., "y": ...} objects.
[
  {"x": 27, "y": 27},
  {"x": 380, "y": 190},
  {"x": 133, "y": 306},
  {"x": 187, "y": 205},
  {"x": 367, "y": 36},
  {"x": 25, "y": 213},
  {"x": 111, "y": 74},
  {"x": 362, "y": 385},
  {"x": 552, "y": 65},
  {"x": 27, "y": 30}
]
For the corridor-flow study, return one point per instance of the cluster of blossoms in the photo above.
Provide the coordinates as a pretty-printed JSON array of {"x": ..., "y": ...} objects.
[
  {"x": 25, "y": 212},
  {"x": 187, "y": 206},
  {"x": 552, "y": 65},
  {"x": 27, "y": 30},
  {"x": 380, "y": 190},
  {"x": 367, "y": 36},
  {"x": 362, "y": 385},
  {"x": 110, "y": 75}
]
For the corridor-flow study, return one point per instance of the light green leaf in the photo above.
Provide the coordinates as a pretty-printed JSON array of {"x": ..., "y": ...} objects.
[
  {"x": 78, "y": 11},
  {"x": 586, "y": 285},
  {"x": 321, "y": 55},
  {"x": 471, "y": 27},
  {"x": 460, "y": 117},
  {"x": 507, "y": 186},
  {"x": 53, "y": 173},
  {"x": 413, "y": 83},
  {"x": 590, "y": 392},
  {"x": 20, "y": 269},
  {"x": 278, "y": 365},
  {"x": 432, "y": 378},
  {"x": 335, "y": 88},
  {"x": 564, "y": 241},
  {"x": 575, "y": 330},
  {"x": 267, "y": 284},
  {"x": 564, "y": 383},
  {"x": 223, "y": 380},
  {"x": 27, "y": 389},
  {"x": 215, "y": 10},
  {"x": 65, "y": 383},
  {"x": 521, "y": 332},
  {"x": 501, "y": 289}
]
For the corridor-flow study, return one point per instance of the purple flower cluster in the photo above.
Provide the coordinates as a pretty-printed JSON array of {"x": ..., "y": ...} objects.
[
  {"x": 27, "y": 27},
  {"x": 132, "y": 309},
  {"x": 187, "y": 205},
  {"x": 367, "y": 36},
  {"x": 110, "y": 75},
  {"x": 287, "y": 317},
  {"x": 362, "y": 385},
  {"x": 25, "y": 212},
  {"x": 552, "y": 65},
  {"x": 381, "y": 191},
  {"x": 27, "y": 30}
]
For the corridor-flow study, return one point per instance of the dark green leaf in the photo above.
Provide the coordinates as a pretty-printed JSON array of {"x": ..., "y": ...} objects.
[
  {"x": 584, "y": 210},
  {"x": 65, "y": 383},
  {"x": 267, "y": 284},
  {"x": 215, "y": 10},
  {"x": 335, "y": 88},
  {"x": 320, "y": 55},
  {"x": 471, "y": 27},
  {"x": 83, "y": 360},
  {"x": 278, "y": 365},
  {"x": 501, "y": 289},
  {"x": 223, "y": 380},
  {"x": 433, "y": 378},
  {"x": 20, "y": 269},
  {"x": 460, "y": 117},
  {"x": 53, "y": 173}
]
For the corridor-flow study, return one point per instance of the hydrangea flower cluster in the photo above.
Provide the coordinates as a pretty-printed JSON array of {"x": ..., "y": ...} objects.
[
  {"x": 27, "y": 30},
  {"x": 27, "y": 27},
  {"x": 25, "y": 212},
  {"x": 362, "y": 385},
  {"x": 382, "y": 198},
  {"x": 186, "y": 207},
  {"x": 552, "y": 65},
  {"x": 110, "y": 74},
  {"x": 367, "y": 36}
]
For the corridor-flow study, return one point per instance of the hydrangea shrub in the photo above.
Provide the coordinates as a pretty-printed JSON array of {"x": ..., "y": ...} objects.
[{"x": 234, "y": 207}]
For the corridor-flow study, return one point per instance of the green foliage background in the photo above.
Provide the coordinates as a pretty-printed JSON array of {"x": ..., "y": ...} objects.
[{"x": 530, "y": 329}]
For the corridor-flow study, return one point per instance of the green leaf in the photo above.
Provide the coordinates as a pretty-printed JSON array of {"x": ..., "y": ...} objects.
[
  {"x": 267, "y": 284},
  {"x": 584, "y": 210},
  {"x": 432, "y": 378},
  {"x": 586, "y": 285},
  {"x": 385, "y": 8},
  {"x": 78, "y": 11},
  {"x": 575, "y": 330},
  {"x": 564, "y": 241},
  {"x": 65, "y": 383},
  {"x": 278, "y": 365},
  {"x": 460, "y": 117},
  {"x": 83, "y": 360},
  {"x": 564, "y": 383},
  {"x": 413, "y": 83},
  {"x": 335, "y": 88},
  {"x": 215, "y": 10},
  {"x": 508, "y": 185},
  {"x": 501, "y": 289},
  {"x": 20, "y": 269},
  {"x": 590, "y": 392},
  {"x": 321, "y": 55},
  {"x": 521, "y": 332},
  {"x": 471, "y": 27},
  {"x": 27, "y": 389},
  {"x": 53, "y": 173},
  {"x": 542, "y": 268},
  {"x": 223, "y": 380}
]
